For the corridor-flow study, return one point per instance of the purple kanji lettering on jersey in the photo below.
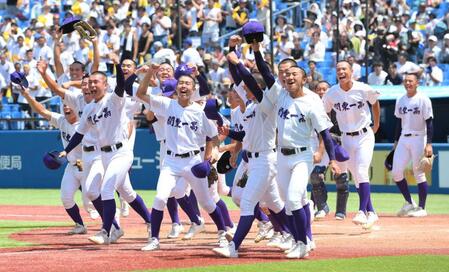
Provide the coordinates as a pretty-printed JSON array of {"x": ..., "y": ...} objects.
[
  {"x": 194, "y": 125},
  {"x": 283, "y": 113},
  {"x": 416, "y": 110},
  {"x": 345, "y": 106},
  {"x": 337, "y": 106}
]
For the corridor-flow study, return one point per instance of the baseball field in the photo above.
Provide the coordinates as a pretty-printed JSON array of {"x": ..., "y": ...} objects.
[{"x": 33, "y": 237}]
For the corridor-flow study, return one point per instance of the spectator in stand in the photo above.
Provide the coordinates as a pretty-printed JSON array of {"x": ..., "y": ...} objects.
[
  {"x": 42, "y": 50},
  {"x": 433, "y": 49},
  {"x": 162, "y": 54},
  {"x": 81, "y": 55},
  {"x": 433, "y": 75},
  {"x": 313, "y": 74},
  {"x": 444, "y": 55},
  {"x": 211, "y": 19},
  {"x": 191, "y": 55},
  {"x": 161, "y": 25},
  {"x": 240, "y": 14},
  {"x": 393, "y": 78},
  {"x": 189, "y": 20},
  {"x": 219, "y": 56},
  {"x": 284, "y": 48},
  {"x": 356, "y": 68},
  {"x": 112, "y": 42},
  {"x": 297, "y": 52},
  {"x": 405, "y": 66},
  {"x": 144, "y": 43},
  {"x": 6, "y": 68},
  {"x": 216, "y": 73},
  {"x": 315, "y": 50},
  {"x": 129, "y": 43},
  {"x": 18, "y": 50},
  {"x": 378, "y": 76},
  {"x": 263, "y": 14}
]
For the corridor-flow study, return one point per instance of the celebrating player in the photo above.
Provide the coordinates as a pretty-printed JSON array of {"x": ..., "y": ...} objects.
[{"x": 413, "y": 140}]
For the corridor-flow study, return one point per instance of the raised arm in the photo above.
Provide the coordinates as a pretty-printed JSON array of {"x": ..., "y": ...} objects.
[
  {"x": 36, "y": 106},
  {"x": 59, "y": 69},
  {"x": 143, "y": 86},
  {"x": 202, "y": 81},
  {"x": 51, "y": 83},
  {"x": 250, "y": 82},
  {"x": 96, "y": 61},
  {"x": 376, "y": 116},
  {"x": 262, "y": 66}
]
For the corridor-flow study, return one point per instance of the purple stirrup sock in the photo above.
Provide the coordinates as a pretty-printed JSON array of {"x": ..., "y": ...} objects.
[
  {"x": 187, "y": 207},
  {"x": 281, "y": 220},
  {"x": 300, "y": 220},
  {"x": 275, "y": 223},
  {"x": 218, "y": 219},
  {"x": 403, "y": 187},
  {"x": 194, "y": 203},
  {"x": 139, "y": 206},
  {"x": 225, "y": 213},
  {"x": 243, "y": 228},
  {"x": 422, "y": 194},
  {"x": 364, "y": 194},
  {"x": 172, "y": 207},
  {"x": 156, "y": 221},
  {"x": 369, "y": 206},
  {"x": 308, "y": 225},
  {"x": 108, "y": 214},
  {"x": 292, "y": 227},
  {"x": 98, "y": 204},
  {"x": 74, "y": 213},
  {"x": 260, "y": 215}
]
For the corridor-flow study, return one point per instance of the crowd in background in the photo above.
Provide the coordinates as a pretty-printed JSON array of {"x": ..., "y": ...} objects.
[{"x": 402, "y": 36}]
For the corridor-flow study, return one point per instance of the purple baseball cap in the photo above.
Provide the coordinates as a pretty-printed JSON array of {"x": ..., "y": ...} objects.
[
  {"x": 169, "y": 87},
  {"x": 211, "y": 110},
  {"x": 182, "y": 70},
  {"x": 201, "y": 170},
  {"x": 253, "y": 31},
  {"x": 19, "y": 78},
  {"x": 341, "y": 154},
  {"x": 68, "y": 23},
  {"x": 52, "y": 160}
]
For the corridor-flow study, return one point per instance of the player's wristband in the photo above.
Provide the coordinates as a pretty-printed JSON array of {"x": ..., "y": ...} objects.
[{"x": 429, "y": 126}]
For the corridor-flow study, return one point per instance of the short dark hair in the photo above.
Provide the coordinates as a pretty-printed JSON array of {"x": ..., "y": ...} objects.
[
  {"x": 288, "y": 60},
  {"x": 189, "y": 76},
  {"x": 133, "y": 61},
  {"x": 323, "y": 81},
  {"x": 80, "y": 63},
  {"x": 378, "y": 64},
  {"x": 260, "y": 81},
  {"x": 412, "y": 74},
  {"x": 100, "y": 73}
]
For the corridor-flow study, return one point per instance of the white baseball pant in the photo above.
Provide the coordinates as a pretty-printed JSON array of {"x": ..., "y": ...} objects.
[
  {"x": 293, "y": 177},
  {"x": 70, "y": 184},
  {"x": 237, "y": 190},
  {"x": 360, "y": 149},
  {"x": 261, "y": 184},
  {"x": 172, "y": 171},
  {"x": 409, "y": 148}
]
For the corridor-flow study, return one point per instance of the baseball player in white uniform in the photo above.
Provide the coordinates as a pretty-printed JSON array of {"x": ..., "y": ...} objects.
[
  {"x": 414, "y": 131},
  {"x": 73, "y": 173},
  {"x": 259, "y": 131},
  {"x": 106, "y": 115},
  {"x": 186, "y": 128},
  {"x": 350, "y": 100}
]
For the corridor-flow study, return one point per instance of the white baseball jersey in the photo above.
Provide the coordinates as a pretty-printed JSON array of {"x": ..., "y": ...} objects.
[
  {"x": 237, "y": 119},
  {"x": 185, "y": 128},
  {"x": 298, "y": 118},
  {"x": 241, "y": 91},
  {"x": 75, "y": 101},
  {"x": 353, "y": 113},
  {"x": 413, "y": 112},
  {"x": 259, "y": 124},
  {"x": 67, "y": 131},
  {"x": 107, "y": 118}
]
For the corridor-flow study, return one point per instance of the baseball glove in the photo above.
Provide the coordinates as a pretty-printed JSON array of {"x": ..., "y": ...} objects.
[
  {"x": 242, "y": 181},
  {"x": 213, "y": 176},
  {"x": 426, "y": 163}
]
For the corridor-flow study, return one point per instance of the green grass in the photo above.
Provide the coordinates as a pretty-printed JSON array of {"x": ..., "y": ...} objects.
[
  {"x": 422, "y": 263},
  {"x": 383, "y": 202},
  {"x": 8, "y": 227}
]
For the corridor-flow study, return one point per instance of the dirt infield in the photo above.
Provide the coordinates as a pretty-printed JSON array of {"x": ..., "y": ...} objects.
[{"x": 57, "y": 251}]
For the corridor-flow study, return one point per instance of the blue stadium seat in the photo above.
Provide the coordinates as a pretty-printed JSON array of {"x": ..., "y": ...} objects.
[{"x": 4, "y": 125}]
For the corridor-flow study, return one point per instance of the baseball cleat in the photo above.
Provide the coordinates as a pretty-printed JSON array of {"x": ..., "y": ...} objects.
[
  {"x": 360, "y": 218},
  {"x": 287, "y": 242},
  {"x": 175, "y": 231},
  {"x": 311, "y": 246},
  {"x": 264, "y": 229},
  {"x": 275, "y": 240},
  {"x": 227, "y": 251},
  {"x": 78, "y": 229},
  {"x": 372, "y": 218},
  {"x": 232, "y": 230},
  {"x": 115, "y": 234},
  {"x": 320, "y": 214},
  {"x": 406, "y": 209},
  {"x": 340, "y": 216},
  {"x": 101, "y": 238},
  {"x": 153, "y": 244},
  {"x": 298, "y": 252},
  {"x": 124, "y": 208},
  {"x": 94, "y": 214},
  {"x": 193, "y": 230},
  {"x": 222, "y": 241},
  {"x": 418, "y": 212}
]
